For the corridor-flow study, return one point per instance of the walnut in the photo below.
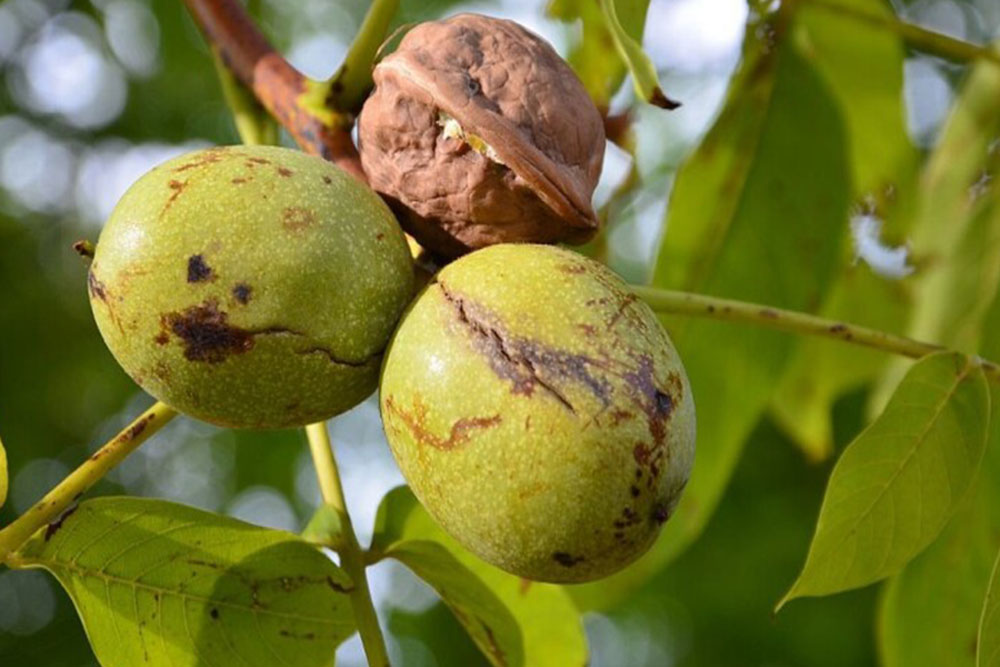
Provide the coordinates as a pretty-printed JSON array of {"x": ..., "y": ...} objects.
[{"x": 479, "y": 133}]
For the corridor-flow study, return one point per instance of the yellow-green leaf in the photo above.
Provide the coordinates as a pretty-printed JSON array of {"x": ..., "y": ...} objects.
[
  {"x": 863, "y": 65},
  {"x": 3, "y": 475},
  {"x": 326, "y": 527},
  {"x": 487, "y": 620},
  {"x": 159, "y": 583},
  {"x": 601, "y": 73},
  {"x": 895, "y": 487},
  {"x": 644, "y": 76},
  {"x": 929, "y": 620},
  {"x": 514, "y": 621},
  {"x": 956, "y": 235}
]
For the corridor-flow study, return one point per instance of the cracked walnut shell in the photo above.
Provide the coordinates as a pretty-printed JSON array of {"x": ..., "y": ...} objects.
[{"x": 479, "y": 133}]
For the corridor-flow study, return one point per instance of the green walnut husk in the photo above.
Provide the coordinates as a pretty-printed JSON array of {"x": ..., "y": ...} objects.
[
  {"x": 539, "y": 412},
  {"x": 251, "y": 286}
]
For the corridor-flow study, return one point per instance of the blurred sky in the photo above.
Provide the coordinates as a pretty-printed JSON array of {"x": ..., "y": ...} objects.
[{"x": 69, "y": 69}]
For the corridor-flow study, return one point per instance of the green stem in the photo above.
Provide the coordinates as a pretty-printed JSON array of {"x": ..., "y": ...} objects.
[
  {"x": 80, "y": 480},
  {"x": 349, "y": 86},
  {"x": 351, "y": 556},
  {"x": 789, "y": 321},
  {"x": 919, "y": 38},
  {"x": 253, "y": 123}
]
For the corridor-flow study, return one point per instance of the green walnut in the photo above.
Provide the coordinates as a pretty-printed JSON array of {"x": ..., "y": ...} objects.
[
  {"x": 251, "y": 286},
  {"x": 539, "y": 412}
]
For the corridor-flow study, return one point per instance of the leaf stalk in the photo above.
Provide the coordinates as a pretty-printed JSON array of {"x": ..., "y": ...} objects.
[
  {"x": 699, "y": 305},
  {"x": 351, "y": 555},
  {"x": 69, "y": 490}
]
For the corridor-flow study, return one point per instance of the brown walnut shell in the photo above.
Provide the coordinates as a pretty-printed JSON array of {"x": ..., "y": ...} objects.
[{"x": 479, "y": 133}]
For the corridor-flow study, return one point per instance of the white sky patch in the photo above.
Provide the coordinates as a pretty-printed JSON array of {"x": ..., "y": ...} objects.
[
  {"x": 35, "y": 169},
  {"x": 617, "y": 164},
  {"x": 318, "y": 56},
  {"x": 63, "y": 71},
  {"x": 133, "y": 33},
  {"x": 887, "y": 261},
  {"x": 941, "y": 16},
  {"x": 928, "y": 96},
  {"x": 695, "y": 35}
]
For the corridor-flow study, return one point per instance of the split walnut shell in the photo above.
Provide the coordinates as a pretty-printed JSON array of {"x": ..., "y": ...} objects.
[{"x": 479, "y": 133}]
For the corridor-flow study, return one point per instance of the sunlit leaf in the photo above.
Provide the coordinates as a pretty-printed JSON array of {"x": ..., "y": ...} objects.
[
  {"x": 930, "y": 620},
  {"x": 863, "y": 65},
  {"x": 644, "y": 76},
  {"x": 591, "y": 56},
  {"x": 895, "y": 487},
  {"x": 958, "y": 233},
  {"x": 489, "y": 624},
  {"x": 956, "y": 236},
  {"x": 164, "y": 584},
  {"x": 3, "y": 475},
  {"x": 930, "y": 611},
  {"x": 501, "y": 612},
  {"x": 326, "y": 527},
  {"x": 352, "y": 82},
  {"x": 756, "y": 214},
  {"x": 862, "y": 62}
]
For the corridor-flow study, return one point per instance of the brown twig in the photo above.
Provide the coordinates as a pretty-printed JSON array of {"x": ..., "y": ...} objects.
[{"x": 281, "y": 89}]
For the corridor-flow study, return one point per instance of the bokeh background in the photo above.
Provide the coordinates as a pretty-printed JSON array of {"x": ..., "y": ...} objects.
[{"x": 93, "y": 93}]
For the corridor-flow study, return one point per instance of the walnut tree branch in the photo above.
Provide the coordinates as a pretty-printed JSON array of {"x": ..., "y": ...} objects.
[{"x": 285, "y": 92}]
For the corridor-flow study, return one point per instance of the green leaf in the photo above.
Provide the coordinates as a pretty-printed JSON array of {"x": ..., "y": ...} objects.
[
  {"x": 963, "y": 256},
  {"x": 768, "y": 187},
  {"x": 164, "y": 584},
  {"x": 527, "y": 623},
  {"x": 895, "y": 487},
  {"x": 956, "y": 236},
  {"x": 487, "y": 620},
  {"x": 863, "y": 65},
  {"x": 957, "y": 164},
  {"x": 644, "y": 76},
  {"x": 601, "y": 75},
  {"x": 930, "y": 620},
  {"x": 988, "y": 644},
  {"x": 352, "y": 82},
  {"x": 3, "y": 474},
  {"x": 326, "y": 528},
  {"x": 254, "y": 125},
  {"x": 821, "y": 371}
]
